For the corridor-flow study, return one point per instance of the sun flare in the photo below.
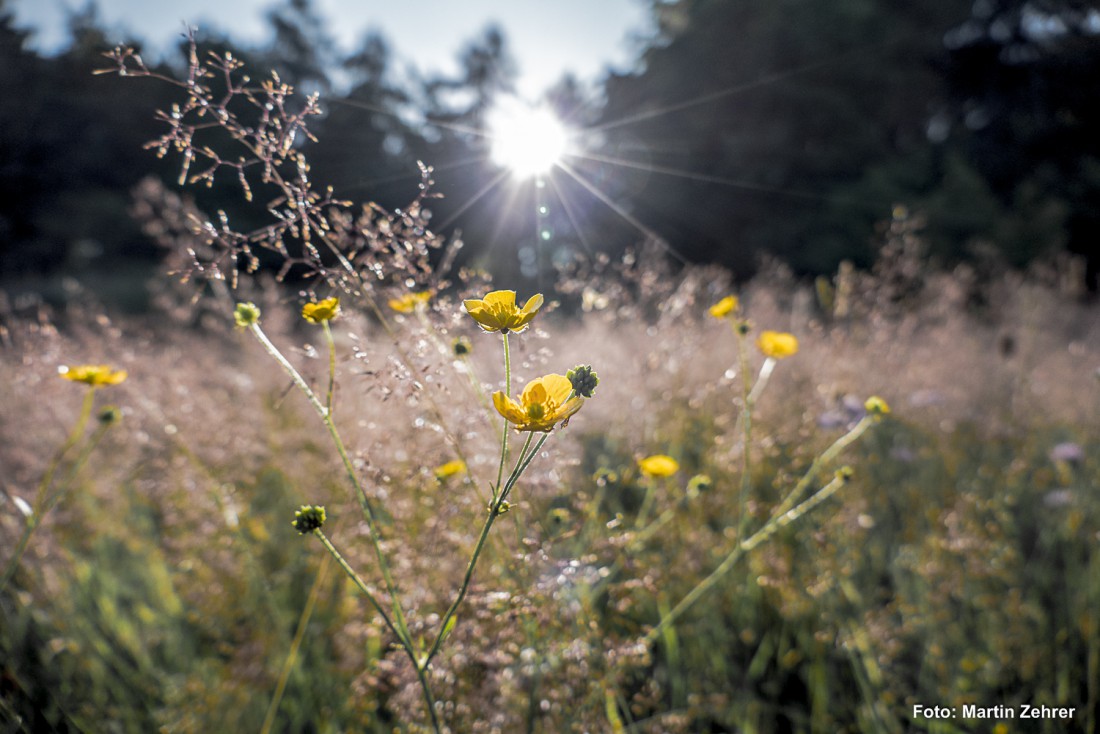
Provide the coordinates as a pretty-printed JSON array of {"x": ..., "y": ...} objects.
[{"x": 526, "y": 140}]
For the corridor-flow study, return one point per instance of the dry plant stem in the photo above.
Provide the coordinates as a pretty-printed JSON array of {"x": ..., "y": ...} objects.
[
  {"x": 42, "y": 501},
  {"x": 525, "y": 457},
  {"x": 778, "y": 520},
  {"x": 295, "y": 645},
  {"x": 368, "y": 509},
  {"x": 402, "y": 634}
]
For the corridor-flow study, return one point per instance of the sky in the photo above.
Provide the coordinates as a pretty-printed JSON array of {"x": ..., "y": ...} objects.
[{"x": 546, "y": 38}]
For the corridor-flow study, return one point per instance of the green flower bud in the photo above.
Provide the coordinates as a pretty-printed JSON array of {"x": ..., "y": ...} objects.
[
  {"x": 308, "y": 518},
  {"x": 462, "y": 346},
  {"x": 109, "y": 415},
  {"x": 583, "y": 379},
  {"x": 246, "y": 314},
  {"x": 699, "y": 483}
]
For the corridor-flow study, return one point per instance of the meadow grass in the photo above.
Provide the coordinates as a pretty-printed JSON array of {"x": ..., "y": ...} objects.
[{"x": 955, "y": 565}]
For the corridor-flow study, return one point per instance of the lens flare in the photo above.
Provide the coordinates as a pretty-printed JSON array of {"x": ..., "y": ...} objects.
[{"x": 528, "y": 141}]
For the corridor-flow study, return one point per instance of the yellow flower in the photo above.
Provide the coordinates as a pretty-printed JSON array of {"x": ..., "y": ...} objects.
[
  {"x": 96, "y": 375},
  {"x": 876, "y": 406},
  {"x": 410, "y": 301},
  {"x": 451, "y": 468},
  {"x": 543, "y": 404},
  {"x": 325, "y": 310},
  {"x": 658, "y": 465},
  {"x": 724, "y": 308},
  {"x": 777, "y": 344},
  {"x": 498, "y": 311}
]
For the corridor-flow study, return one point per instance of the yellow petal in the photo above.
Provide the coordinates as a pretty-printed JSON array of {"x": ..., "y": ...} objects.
[
  {"x": 505, "y": 300},
  {"x": 557, "y": 387},
  {"x": 510, "y": 409},
  {"x": 534, "y": 303},
  {"x": 534, "y": 392},
  {"x": 566, "y": 411}
]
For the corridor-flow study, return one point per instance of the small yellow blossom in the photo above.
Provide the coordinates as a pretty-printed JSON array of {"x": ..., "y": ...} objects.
[
  {"x": 725, "y": 307},
  {"x": 777, "y": 344},
  {"x": 96, "y": 375},
  {"x": 450, "y": 469},
  {"x": 658, "y": 465},
  {"x": 410, "y": 301},
  {"x": 544, "y": 402},
  {"x": 319, "y": 311},
  {"x": 498, "y": 311},
  {"x": 876, "y": 406}
]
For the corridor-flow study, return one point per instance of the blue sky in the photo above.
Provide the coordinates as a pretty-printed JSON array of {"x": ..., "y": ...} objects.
[{"x": 546, "y": 38}]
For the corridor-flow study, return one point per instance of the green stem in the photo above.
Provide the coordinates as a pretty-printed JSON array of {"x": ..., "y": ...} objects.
[
  {"x": 400, "y": 630},
  {"x": 367, "y": 592},
  {"x": 761, "y": 535},
  {"x": 295, "y": 645},
  {"x": 825, "y": 457},
  {"x": 746, "y": 436},
  {"x": 349, "y": 467},
  {"x": 42, "y": 503},
  {"x": 522, "y": 463},
  {"x": 504, "y": 434},
  {"x": 331, "y": 365}
]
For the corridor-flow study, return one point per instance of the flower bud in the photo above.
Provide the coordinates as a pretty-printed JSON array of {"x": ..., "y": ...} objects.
[
  {"x": 583, "y": 379},
  {"x": 308, "y": 518},
  {"x": 246, "y": 314}
]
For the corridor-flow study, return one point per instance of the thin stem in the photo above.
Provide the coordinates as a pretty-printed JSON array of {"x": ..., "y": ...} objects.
[
  {"x": 331, "y": 365},
  {"x": 825, "y": 457},
  {"x": 42, "y": 503},
  {"x": 504, "y": 434},
  {"x": 746, "y": 435},
  {"x": 349, "y": 467},
  {"x": 367, "y": 592},
  {"x": 400, "y": 630},
  {"x": 761, "y": 535},
  {"x": 494, "y": 510},
  {"x": 295, "y": 645}
]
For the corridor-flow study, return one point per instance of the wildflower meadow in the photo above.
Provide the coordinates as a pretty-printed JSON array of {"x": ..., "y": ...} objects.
[{"x": 332, "y": 482}]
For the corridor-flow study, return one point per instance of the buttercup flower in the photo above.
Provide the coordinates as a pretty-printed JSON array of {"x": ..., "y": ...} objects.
[
  {"x": 325, "y": 310},
  {"x": 498, "y": 311},
  {"x": 658, "y": 465},
  {"x": 876, "y": 406},
  {"x": 724, "y": 308},
  {"x": 246, "y": 314},
  {"x": 544, "y": 402},
  {"x": 96, "y": 375},
  {"x": 451, "y": 468},
  {"x": 410, "y": 301},
  {"x": 777, "y": 344}
]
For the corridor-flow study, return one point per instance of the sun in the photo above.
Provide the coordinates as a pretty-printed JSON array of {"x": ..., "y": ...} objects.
[{"x": 528, "y": 141}]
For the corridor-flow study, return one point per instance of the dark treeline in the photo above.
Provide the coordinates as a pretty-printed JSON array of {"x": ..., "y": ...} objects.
[{"x": 778, "y": 127}]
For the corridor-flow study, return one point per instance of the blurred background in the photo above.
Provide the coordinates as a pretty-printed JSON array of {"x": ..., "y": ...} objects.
[{"x": 721, "y": 132}]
